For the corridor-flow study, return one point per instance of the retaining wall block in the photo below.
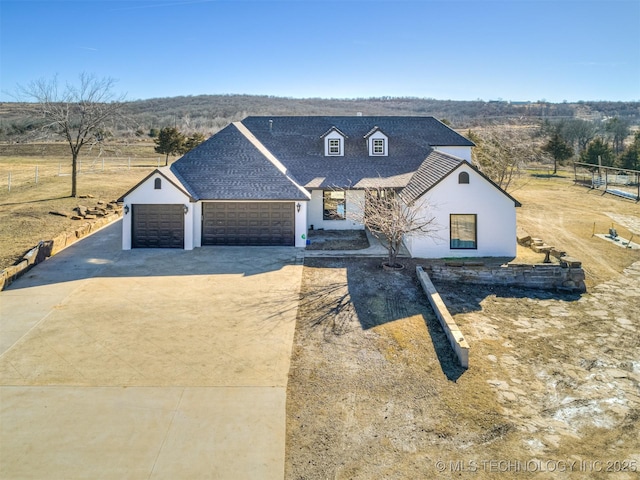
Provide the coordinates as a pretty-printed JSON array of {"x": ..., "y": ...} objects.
[
  {"x": 31, "y": 255},
  {"x": 58, "y": 243},
  {"x": 82, "y": 230},
  {"x": 458, "y": 343}
]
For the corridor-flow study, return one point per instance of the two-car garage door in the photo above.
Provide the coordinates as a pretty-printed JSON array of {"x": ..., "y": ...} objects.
[
  {"x": 223, "y": 223},
  {"x": 248, "y": 223}
]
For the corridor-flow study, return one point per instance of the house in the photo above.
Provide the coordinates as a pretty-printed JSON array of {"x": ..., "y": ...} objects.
[{"x": 269, "y": 180}]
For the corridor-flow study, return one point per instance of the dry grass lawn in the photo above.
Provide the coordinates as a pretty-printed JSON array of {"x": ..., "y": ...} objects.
[
  {"x": 553, "y": 388},
  {"x": 24, "y": 210}
]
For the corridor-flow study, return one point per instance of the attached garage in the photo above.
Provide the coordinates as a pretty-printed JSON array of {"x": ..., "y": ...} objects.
[
  {"x": 157, "y": 226},
  {"x": 248, "y": 223}
]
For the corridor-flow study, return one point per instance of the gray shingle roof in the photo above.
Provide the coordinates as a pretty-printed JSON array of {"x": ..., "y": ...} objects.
[
  {"x": 229, "y": 167},
  {"x": 234, "y": 165},
  {"x": 434, "y": 168},
  {"x": 297, "y": 143}
]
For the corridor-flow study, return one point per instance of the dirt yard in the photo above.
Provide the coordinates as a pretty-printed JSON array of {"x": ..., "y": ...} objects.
[{"x": 553, "y": 388}]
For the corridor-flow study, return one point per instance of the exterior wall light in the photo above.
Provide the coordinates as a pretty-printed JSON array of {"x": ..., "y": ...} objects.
[
  {"x": 126, "y": 209},
  {"x": 298, "y": 207},
  {"x": 186, "y": 209}
]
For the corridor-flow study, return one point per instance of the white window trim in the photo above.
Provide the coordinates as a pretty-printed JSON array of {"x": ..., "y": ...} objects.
[
  {"x": 330, "y": 147},
  {"x": 374, "y": 137},
  {"x": 383, "y": 142}
]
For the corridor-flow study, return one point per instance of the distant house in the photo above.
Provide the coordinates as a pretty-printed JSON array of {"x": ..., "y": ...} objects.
[{"x": 269, "y": 180}]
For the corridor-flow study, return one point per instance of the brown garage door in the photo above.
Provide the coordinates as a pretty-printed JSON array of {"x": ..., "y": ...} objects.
[
  {"x": 157, "y": 226},
  {"x": 248, "y": 223}
]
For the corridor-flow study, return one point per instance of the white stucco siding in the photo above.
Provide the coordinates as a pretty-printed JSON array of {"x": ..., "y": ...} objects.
[
  {"x": 197, "y": 224},
  {"x": 146, "y": 193},
  {"x": 301, "y": 224},
  {"x": 315, "y": 212},
  {"x": 496, "y": 218},
  {"x": 460, "y": 152}
]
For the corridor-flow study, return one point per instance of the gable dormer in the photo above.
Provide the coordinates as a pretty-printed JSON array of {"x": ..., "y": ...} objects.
[
  {"x": 377, "y": 143},
  {"x": 333, "y": 142}
]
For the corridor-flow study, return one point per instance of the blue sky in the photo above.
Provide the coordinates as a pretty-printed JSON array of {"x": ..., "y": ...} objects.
[{"x": 462, "y": 50}]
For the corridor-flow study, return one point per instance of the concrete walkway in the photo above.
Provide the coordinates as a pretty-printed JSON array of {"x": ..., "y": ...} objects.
[{"x": 147, "y": 364}]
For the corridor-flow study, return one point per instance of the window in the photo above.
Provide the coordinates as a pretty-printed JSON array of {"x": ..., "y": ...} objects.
[
  {"x": 378, "y": 146},
  {"x": 376, "y": 142},
  {"x": 464, "y": 233},
  {"x": 463, "y": 177},
  {"x": 333, "y": 142},
  {"x": 157, "y": 185},
  {"x": 334, "y": 146},
  {"x": 334, "y": 205}
]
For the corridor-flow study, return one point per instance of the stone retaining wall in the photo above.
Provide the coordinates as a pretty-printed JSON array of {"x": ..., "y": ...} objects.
[
  {"x": 561, "y": 276},
  {"x": 47, "y": 248},
  {"x": 457, "y": 341}
]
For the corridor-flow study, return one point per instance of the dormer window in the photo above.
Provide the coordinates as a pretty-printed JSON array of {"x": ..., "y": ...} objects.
[
  {"x": 378, "y": 146},
  {"x": 377, "y": 143},
  {"x": 335, "y": 146},
  {"x": 333, "y": 142}
]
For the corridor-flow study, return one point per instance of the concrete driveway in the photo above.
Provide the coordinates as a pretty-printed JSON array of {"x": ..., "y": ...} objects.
[{"x": 147, "y": 363}]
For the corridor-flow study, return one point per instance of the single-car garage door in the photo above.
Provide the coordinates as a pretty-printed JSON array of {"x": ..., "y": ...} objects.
[
  {"x": 248, "y": 223},
  {"x": 157, "y": 226}
]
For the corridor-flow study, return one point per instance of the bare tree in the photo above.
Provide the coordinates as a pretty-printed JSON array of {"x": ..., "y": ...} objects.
[
  {"x": 501, "y": 152},
  {"x": 77, "y": 113},
  {"x": 389, "y": 219},
  {"x": 579, "y": 133}
]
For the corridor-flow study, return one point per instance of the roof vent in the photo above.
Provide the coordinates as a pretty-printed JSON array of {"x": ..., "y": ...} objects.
[
  {"x": 270, "y": 125},
  {"x": 359, "y": 114}
]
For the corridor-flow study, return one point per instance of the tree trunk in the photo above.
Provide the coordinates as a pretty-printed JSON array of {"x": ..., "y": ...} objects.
[
  {"x": 393, "y": 253},
  {"x": 74, "y": 175},
  {"x": 166, "y": 160}
]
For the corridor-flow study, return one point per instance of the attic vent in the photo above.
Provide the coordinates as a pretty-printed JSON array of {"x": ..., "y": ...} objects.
[{"x": 359, "y": 114}]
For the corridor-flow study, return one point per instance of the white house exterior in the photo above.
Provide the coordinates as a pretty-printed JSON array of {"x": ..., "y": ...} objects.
[
  {"x": 269, "y": 180},
  {"x": 461, "y": 152},
  {"x": 489, "y": 221},
  {"x": 160, "y": 194}
]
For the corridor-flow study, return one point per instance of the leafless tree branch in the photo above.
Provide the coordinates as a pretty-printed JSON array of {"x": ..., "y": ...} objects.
[
  {"x": 77, "y": 113},
  {"x": 389, "y": 219}
]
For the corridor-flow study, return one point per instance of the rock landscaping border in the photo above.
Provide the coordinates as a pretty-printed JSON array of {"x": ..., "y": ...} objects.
[
  {"x": 564, "y": 274},
  {"x": 48, "y": 248}
]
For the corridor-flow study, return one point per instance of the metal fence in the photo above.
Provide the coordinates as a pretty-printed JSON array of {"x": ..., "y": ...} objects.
[
  {"x": 14, "y": 176},
  {"x": 616, "y": 181}
]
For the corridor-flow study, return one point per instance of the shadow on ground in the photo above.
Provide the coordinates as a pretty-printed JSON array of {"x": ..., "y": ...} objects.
[
  {"x": 466, "y": 298},
  {"x": 375, "y": 297},
  {"x": 101, "y": 255}
]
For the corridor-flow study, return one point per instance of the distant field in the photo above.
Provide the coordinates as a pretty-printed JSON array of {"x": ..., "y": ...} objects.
[{"x": 24, "y": 209}]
